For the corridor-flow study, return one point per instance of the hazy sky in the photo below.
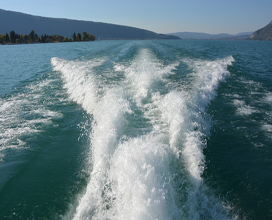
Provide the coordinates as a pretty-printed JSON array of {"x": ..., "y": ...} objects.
[{"x": 161, "y": 16}]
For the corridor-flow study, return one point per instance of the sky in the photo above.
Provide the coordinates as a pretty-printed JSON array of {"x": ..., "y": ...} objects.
[{"x": 160, "y": 16}]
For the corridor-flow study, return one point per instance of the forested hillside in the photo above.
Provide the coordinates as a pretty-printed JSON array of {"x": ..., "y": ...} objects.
[
  {"x": 24, "y": 23},
  {"x": 264, "y": 33}
]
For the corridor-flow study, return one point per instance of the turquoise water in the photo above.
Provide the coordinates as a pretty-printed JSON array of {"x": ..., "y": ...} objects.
[{"x": 136, "y": 130}]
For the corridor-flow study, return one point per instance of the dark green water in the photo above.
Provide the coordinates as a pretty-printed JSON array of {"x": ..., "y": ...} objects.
[{"x": 136, "y": 130}]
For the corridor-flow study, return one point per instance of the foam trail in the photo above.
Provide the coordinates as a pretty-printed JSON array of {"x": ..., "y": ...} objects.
[
  {"x": 207, "y": 75},
  {"x": 108, "y": 109},
  {"x": 79, "y": 84},
  {"x": 109, "y": 121},
  {"x": 184, "y": 112}
]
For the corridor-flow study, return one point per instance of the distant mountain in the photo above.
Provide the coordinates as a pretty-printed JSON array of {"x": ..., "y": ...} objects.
[
  {"x": 264, "y": 33},
  {"x": 204, "y": 36},
  {"x": 244, "y": 33},
  {"x": 23, "y": 23}
]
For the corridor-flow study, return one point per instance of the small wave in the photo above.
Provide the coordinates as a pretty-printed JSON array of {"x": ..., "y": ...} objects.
[
  {"x": 267, "y": 127},
  {"x": 243, "y": 109},
  {"x": 268, "y": 98},
  {"x": 24, "y": 114}
]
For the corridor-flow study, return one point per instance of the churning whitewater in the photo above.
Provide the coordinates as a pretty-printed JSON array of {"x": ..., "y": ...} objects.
[{"x": 148, "y": 132}]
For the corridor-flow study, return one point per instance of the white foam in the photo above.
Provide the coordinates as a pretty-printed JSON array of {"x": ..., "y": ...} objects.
[
  {"x": 119, "y": 67},
  {"x": 208, "y": 75},
  {"x": 267, "y": 127},
  {"x": 242, "y": 108},
  {"x": 23, "y": 114},
  {"x": 79, "y": 84},
  {"x": 144, "y": 73},
  {"x": 109, "y": 119},
  {"x": 141, "y": 181}
]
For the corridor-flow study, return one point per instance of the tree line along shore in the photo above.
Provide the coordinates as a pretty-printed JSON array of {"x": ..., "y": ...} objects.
[{"x": 32, "y": 37}]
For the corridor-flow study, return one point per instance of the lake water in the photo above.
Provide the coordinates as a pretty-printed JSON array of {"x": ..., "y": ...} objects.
[{"x": 136, "y": 130}]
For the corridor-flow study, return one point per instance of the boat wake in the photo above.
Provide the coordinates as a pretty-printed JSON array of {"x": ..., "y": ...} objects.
[{"x": 149, "y": 130}]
